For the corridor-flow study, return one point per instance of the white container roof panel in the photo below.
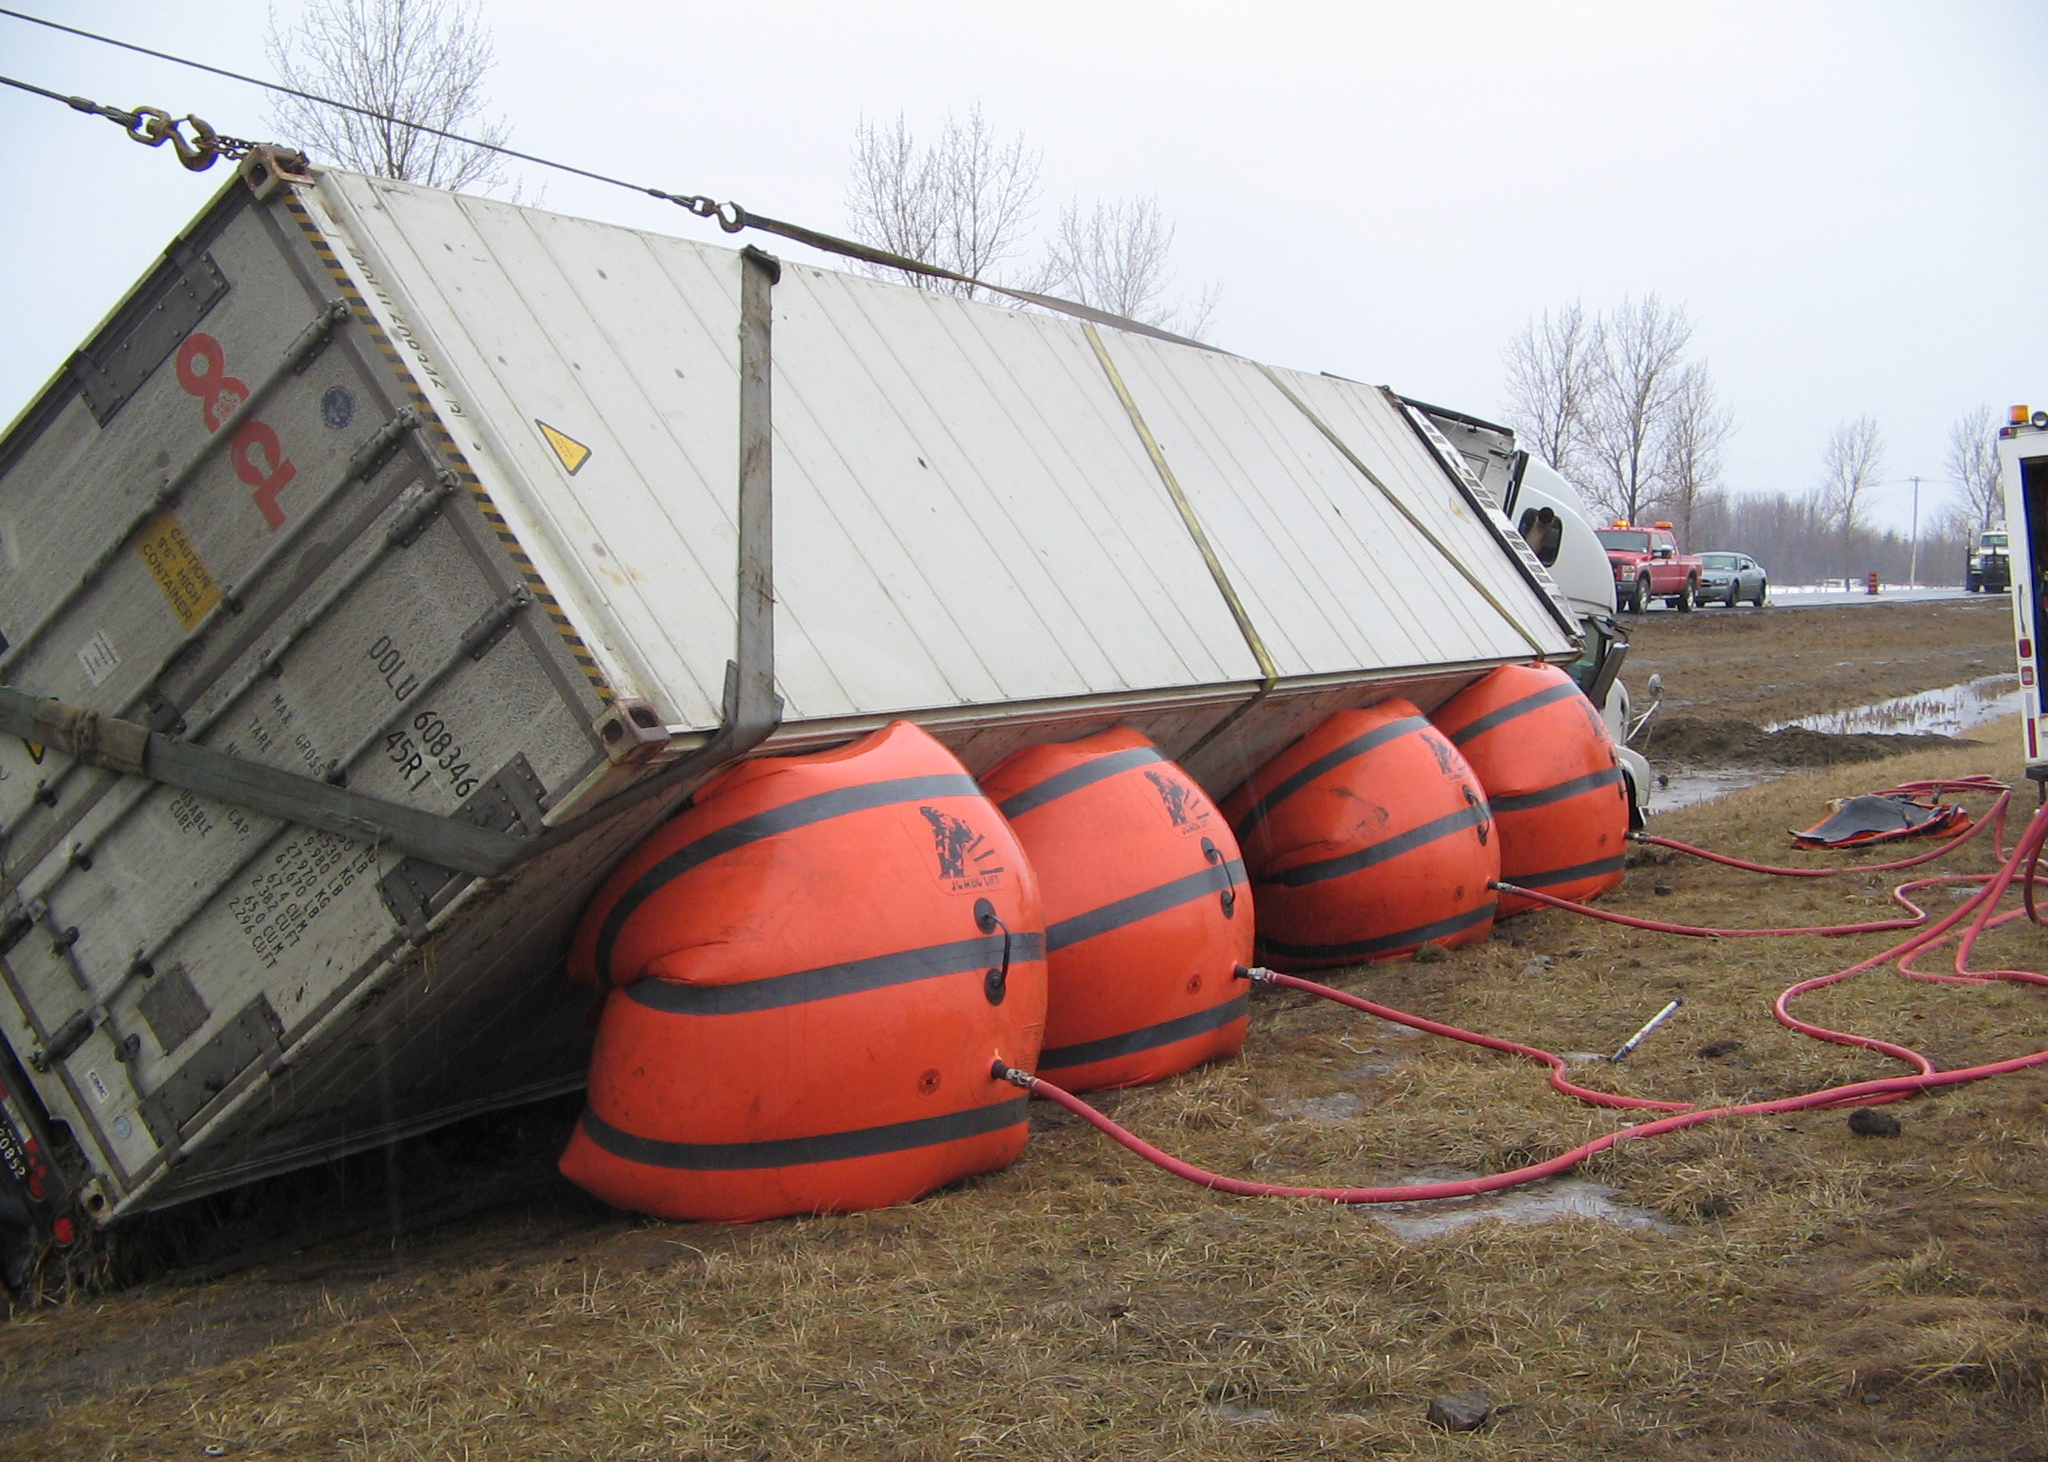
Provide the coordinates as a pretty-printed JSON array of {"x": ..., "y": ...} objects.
[
  {"x": 974, "y": 468},
  {"x": 1032, "y": 556},
  {"x": 965, "y": 514},
  {"x": 626, "y": 343},
  {"x": 1376, "y": 430},
  {"x": 1332, "y": 574}
]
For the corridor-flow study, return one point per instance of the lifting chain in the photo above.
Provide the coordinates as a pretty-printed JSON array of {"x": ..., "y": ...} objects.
[{"x": 153, "y": 127}]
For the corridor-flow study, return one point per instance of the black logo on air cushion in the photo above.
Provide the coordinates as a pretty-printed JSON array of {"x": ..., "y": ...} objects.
[
  {"x": 1185, "y": 808},
  {"x": 967, "y": 860},
  {"x": 1443, "y": 751}
]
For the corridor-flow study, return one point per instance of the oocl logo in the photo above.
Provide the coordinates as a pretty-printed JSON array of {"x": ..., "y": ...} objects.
[{"x": 255, "y": 450}]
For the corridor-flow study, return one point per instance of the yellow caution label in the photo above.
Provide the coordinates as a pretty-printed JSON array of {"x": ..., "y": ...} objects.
[
  {"x": 571, "y": 453},
  {"x": 178, "y": 570}
]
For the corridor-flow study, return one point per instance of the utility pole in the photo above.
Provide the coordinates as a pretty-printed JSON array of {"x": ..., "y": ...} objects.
[{"x": 1913, "y": 573}]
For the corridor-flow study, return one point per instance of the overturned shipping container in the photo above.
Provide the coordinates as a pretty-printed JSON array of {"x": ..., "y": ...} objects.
[{"x": 430, "y": 539}]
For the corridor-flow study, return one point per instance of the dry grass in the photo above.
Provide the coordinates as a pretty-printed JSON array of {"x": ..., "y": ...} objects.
[{"x": 1810, "y": 1294}]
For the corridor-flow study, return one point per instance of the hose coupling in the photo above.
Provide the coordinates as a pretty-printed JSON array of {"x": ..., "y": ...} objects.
[{"x": 1004, "y": 1071}]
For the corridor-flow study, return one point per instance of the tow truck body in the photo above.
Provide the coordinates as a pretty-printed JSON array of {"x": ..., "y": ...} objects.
[{"x": 1647, "y": 565}]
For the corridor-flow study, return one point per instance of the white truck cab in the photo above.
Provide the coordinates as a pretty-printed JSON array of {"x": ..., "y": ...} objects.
[
  {"x": 1989, "y": 567},
  {"x": 1551, "y": 516}
]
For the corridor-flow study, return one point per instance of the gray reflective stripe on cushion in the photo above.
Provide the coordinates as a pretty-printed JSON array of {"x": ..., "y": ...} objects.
[
  {"x": 789, "y": 1152},
  {"x": 1146, "y": 1038}
]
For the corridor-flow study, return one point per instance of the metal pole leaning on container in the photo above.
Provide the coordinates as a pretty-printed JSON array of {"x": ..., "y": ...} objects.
[{"x": 751, "y": 710}]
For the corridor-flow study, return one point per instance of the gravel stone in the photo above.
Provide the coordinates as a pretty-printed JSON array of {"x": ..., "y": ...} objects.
[{"x": 1460, "y": 1411}]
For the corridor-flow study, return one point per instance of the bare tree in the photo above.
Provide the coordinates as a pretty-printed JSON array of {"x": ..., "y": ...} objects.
[
  {"x": 1950, "y": 541},
  {"x": 420, "y": 61},
  {"x": 1553, "y": 371},
  {"x": 1792, "y": 535},
  {"x": 1692, "y": 438},
  {"x": 1849, "y": 469},
  {"x": 1973, "y": 467},
  {"x": 1641, "y": 366},
  {"x": 1114, "y": 257},
  {"x": 893, "y": 199},
  {"x": 964, "y": 202}
]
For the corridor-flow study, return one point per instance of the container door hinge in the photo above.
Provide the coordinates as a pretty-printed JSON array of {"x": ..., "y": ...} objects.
[
  {"x": 513, "y": 801},
  {"x": 255, "y": 1034}
]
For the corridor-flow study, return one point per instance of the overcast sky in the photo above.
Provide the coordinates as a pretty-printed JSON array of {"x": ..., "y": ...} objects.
[{"x": 1847, "y": 197}]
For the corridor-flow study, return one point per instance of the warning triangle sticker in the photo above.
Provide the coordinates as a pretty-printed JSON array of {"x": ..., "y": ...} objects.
[{"x": 571, "y": 453}]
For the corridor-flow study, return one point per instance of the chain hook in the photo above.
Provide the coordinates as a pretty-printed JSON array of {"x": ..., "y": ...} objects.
[
  {"x": 728, "y": 216},
  {"x": 153, "y": 127},
  {"x": 199, "y": 154}
]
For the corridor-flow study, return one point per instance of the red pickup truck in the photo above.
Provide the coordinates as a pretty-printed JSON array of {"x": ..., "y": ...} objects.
[{"x": 1647, "y": 565}]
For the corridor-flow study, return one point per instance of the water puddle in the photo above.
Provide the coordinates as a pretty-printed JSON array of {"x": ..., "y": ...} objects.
[
  {"x": 1543, "y": 1202},
  {"x": 1244, "y": 1415},
  {"x": 1533, "y": 1203},
  {"x": 1339, "y": 1107},
  {"x": 1948, "y": 711},
  {"x": 1686, "y": 787}
]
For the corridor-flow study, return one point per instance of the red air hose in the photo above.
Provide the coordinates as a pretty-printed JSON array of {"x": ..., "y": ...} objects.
[
  {"x": 1865, "y": 1093},
  {"x": 1696, "y": 931},
  {"x": 1980, "y": 910}
]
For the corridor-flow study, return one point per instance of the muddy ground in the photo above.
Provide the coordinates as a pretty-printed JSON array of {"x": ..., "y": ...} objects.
[
  {"x": 1759, "y": 1288},
  {"x": 1728, "y": 675}
]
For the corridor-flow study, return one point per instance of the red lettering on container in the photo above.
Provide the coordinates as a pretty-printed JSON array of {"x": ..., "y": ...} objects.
[
  {"x": 257, "y": 454},
  {"x": 260, "y": 461}
]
